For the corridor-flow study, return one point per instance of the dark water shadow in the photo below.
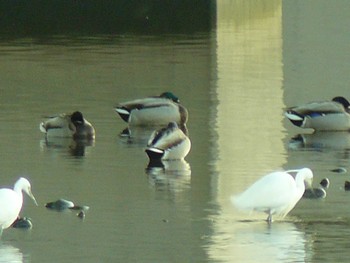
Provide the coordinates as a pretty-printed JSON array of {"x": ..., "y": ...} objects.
[
  {"x": 174, "y": 175},
  {"x": 92, "y": 17},
  {"x": 72, "y": 147},
  {"x": 320, "y": 141}
]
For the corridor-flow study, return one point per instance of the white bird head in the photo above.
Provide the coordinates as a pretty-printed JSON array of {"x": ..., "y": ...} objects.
[
  {"x": 23, "y": 184},
  {"x": 306, "y": 175}
]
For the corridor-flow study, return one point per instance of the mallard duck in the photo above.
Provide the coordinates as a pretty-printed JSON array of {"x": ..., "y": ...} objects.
[
  {"x": 168, "y": 143},
  {"x": 68, "y": 125},
  {"x": 22, "y": 222},
  {"x": 322, "y": 116},
  {"x": 158, "y": 110}
]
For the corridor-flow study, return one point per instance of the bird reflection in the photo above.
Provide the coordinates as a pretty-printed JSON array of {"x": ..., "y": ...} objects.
[
  {"x": 9, "y": 253},
  {"x": 74, "y": 147},
  {"x": 242, "y": 241},
  {"x": 321, "y": 140},
  {"x": 174, "y": 175},
  {"x": 137, "y": 136}
]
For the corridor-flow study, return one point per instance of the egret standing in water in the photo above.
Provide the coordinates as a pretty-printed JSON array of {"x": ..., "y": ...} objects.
[
  {"x": 11, "y": 202},
  {"x": 275, "y": 193}
]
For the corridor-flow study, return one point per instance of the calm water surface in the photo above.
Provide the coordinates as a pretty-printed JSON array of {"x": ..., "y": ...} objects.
[{"x": 235, "y": 80}]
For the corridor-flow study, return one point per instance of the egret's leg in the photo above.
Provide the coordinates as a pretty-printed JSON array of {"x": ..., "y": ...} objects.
[{"x": 269, "y": 218}]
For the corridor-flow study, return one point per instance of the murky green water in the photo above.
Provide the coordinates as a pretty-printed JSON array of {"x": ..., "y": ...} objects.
[{"x": 235, "y": 80}]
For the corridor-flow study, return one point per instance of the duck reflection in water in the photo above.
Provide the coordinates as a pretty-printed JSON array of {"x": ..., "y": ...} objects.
[
  {"x": 74, "y": 147},
  {"x": 320, "y": 141},
  {"x": 174, "y": 175},
  {"x": 136, "y": 136}
]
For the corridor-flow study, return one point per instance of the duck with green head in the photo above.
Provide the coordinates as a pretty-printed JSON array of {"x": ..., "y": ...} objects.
[
  {"x": 68, "y": 125},
  {"x": 156, "y": 110},
  {"x": 331, "y": 115}
]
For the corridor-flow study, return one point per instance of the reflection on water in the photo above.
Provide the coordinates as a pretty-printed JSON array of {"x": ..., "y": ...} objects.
[
  {"x": 137, "y": 136},
  {"x": 66, "y": 146},
  {"x": 111, "y": 17},
  {"x": 258, "y": 242},
  {"x": 249, "y": 128},
  {"x": 321, "y": 141},
  {"x": 10, "y": 254},
  {"x": 172, "y": 175},
  {"x": 328, "y": 241}
]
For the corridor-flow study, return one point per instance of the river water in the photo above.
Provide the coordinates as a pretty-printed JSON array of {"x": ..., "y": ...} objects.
[{"x": 235, "y": 79}]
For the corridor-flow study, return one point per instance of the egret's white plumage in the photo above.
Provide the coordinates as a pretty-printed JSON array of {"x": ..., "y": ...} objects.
[
  {"x": 11, "y": 202},
  {"x": 275, "y": 193}
]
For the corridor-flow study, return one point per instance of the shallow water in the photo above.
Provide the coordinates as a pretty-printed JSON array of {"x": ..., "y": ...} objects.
[{"x": 235, "y": 80}]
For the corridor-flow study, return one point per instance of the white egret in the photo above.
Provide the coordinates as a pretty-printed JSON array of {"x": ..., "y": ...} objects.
[
  {"x": 275, "y": 193},
  {"x": 11, "y": 202}
]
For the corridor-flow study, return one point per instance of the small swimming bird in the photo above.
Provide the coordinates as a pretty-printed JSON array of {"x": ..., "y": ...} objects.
[
  {"x": 157, "y": 110},
  {"x": 325, "y": 183},
  {"x": 63, "y": 204},
  {"x": 275, "y": 193},
  {"x": 315, "y": 193},
  {"x": 168, "y": 143},
  {"x": 68, "y": 125},
  {"x": 322, "y": 116},
  {"x": 22, "y": 222},
  {"x": 347, "y": 185},
  {"x": 11, "y": 202}
]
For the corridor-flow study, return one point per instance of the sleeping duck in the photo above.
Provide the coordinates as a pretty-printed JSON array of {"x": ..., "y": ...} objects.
[
  {"x": 68, "y": 125},
  {"x": 168, "y": 143},
  {"x": 322, "y": 116},
  {"x": 158, "y": 110}
]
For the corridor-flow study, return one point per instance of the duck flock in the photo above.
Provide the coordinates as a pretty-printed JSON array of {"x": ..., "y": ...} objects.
[
  {"x": 169, "y": 141},
  {"x": 275, "y": 194}
]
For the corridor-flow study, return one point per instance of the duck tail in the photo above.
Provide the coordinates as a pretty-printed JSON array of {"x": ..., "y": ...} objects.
[
  {"x": 154, "y": 153},
  {"x": 42, "y": 127},
  {"x": 123, "y": 113},
  {"x": 295, "y": 117}
]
